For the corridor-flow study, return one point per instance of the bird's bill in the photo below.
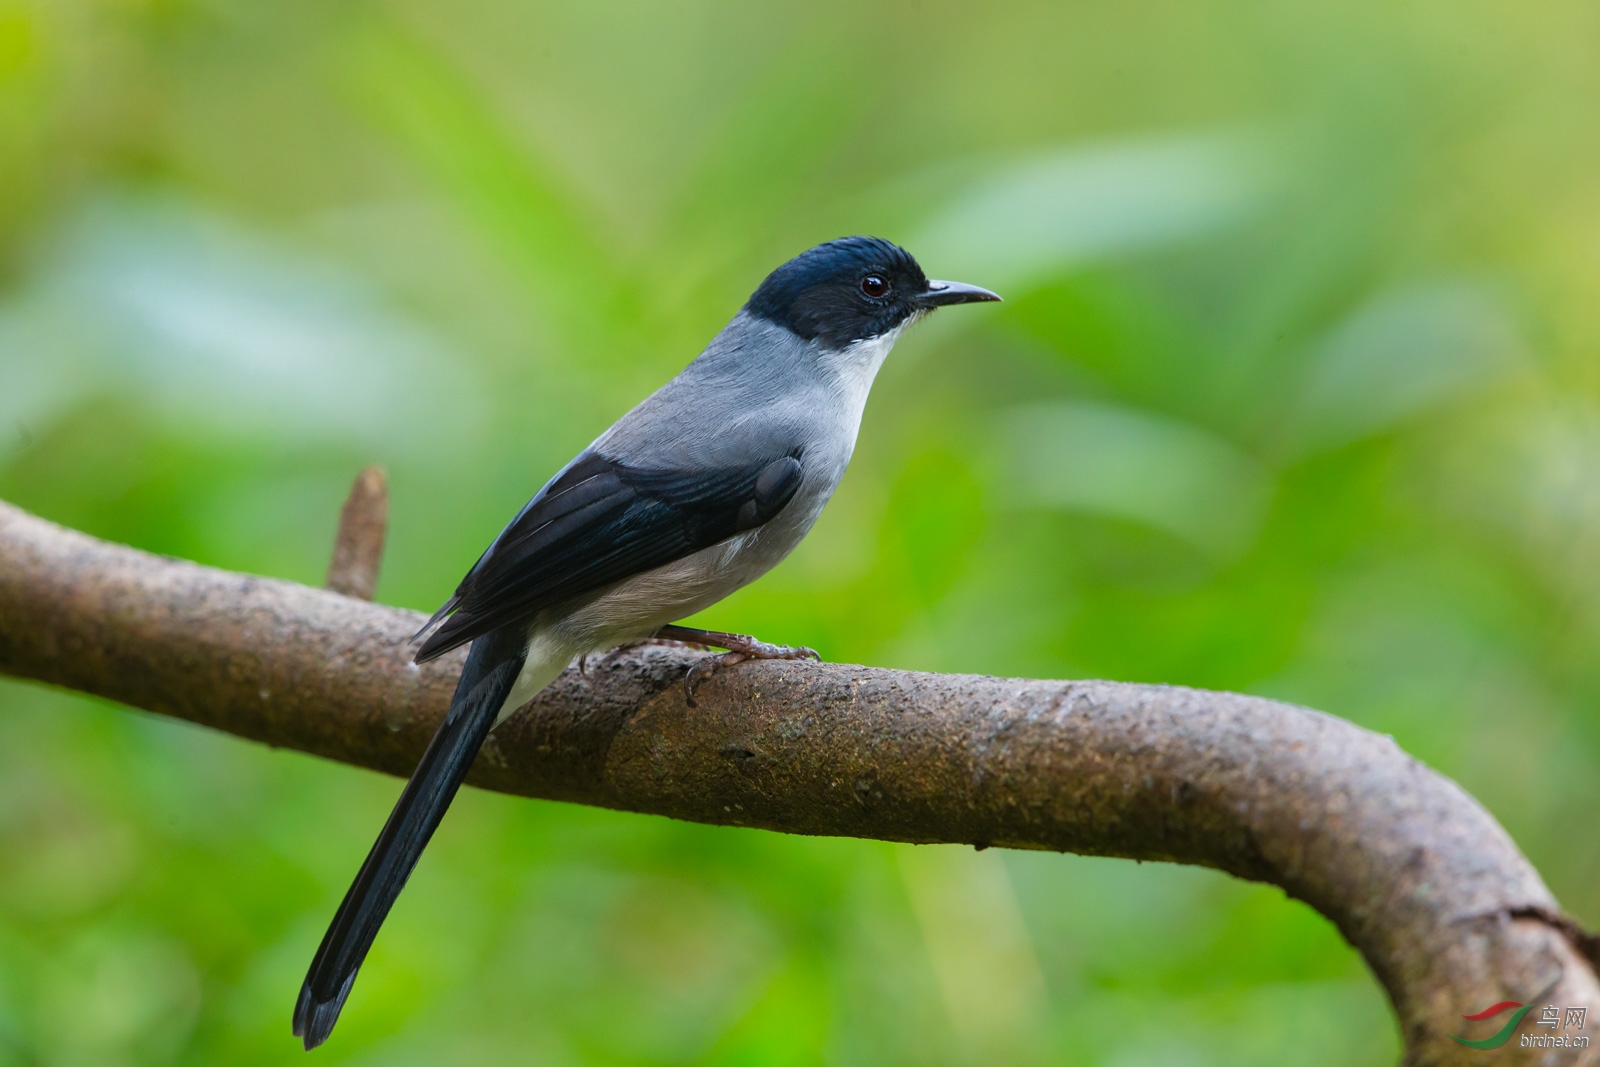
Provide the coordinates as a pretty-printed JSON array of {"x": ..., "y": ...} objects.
[{"x": 938, "y": 294}]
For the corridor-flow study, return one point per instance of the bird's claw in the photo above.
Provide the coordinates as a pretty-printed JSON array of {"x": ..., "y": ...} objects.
[
  {"x": 747, "y": 649},
  {"x": 612, "y": 653}
]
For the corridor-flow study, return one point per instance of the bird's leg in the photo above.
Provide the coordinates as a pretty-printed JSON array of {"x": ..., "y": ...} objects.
[
  {"x": 740, "y": 648},
  {"x": 629, "y": 646}
]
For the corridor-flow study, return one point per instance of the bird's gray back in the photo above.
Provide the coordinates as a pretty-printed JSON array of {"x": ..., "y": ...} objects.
[{"x": 757, "y": 389}]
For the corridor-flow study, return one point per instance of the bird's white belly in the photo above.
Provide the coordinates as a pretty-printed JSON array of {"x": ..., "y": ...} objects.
[{"x": 646, "y": 602}]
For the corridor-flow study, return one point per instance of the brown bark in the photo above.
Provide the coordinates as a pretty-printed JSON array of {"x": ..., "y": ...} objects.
[{"x": 1448, "y": 913}]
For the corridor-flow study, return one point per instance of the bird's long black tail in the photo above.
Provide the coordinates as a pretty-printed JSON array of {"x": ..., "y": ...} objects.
[{"x": 486, "y": 681}]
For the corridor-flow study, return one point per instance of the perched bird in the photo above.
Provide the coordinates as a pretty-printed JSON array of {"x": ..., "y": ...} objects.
[{"x": 696, "y": 492}]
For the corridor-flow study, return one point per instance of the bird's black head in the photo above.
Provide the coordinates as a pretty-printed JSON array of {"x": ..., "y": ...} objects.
[{"x": 853, "y": 289}]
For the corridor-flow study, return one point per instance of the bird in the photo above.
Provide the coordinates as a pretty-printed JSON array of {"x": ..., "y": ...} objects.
[{"x": 700, "y": 489}]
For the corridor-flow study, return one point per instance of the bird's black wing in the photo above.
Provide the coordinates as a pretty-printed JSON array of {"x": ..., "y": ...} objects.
[{"x": 601, "y": 521}]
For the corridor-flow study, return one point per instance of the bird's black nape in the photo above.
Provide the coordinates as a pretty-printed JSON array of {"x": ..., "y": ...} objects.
[{"x": 843, "y": 291}]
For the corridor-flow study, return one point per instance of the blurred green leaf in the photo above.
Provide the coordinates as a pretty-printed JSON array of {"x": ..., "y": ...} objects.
[
  {"x": 1104, "y": 459},
  {"x": 1401, "y": 354},
  {"x": 1026, "y": 222}
]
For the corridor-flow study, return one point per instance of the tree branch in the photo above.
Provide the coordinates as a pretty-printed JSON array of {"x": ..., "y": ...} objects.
[
  {"x": 1416, "y": 875},
  {"x": 358, "y": 548}
]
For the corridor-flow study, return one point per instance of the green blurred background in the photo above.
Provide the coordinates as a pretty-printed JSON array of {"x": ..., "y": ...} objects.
[{"x": 1294, "y": 392}]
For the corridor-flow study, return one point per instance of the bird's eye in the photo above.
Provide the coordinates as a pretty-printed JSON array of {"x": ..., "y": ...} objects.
[{"x": 874, "y": 285}]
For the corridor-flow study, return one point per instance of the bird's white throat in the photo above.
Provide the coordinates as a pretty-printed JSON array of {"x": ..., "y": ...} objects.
[{"x": 856, "y": 366}]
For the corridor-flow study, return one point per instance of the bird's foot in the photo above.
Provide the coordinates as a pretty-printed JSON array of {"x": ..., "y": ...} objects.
[
  {"x": 613, "y": 653},
  {"x": 740, "y": 648}
]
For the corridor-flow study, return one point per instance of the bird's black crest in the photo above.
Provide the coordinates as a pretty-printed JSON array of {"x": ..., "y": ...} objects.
[{"x": 819, "y": 294}]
